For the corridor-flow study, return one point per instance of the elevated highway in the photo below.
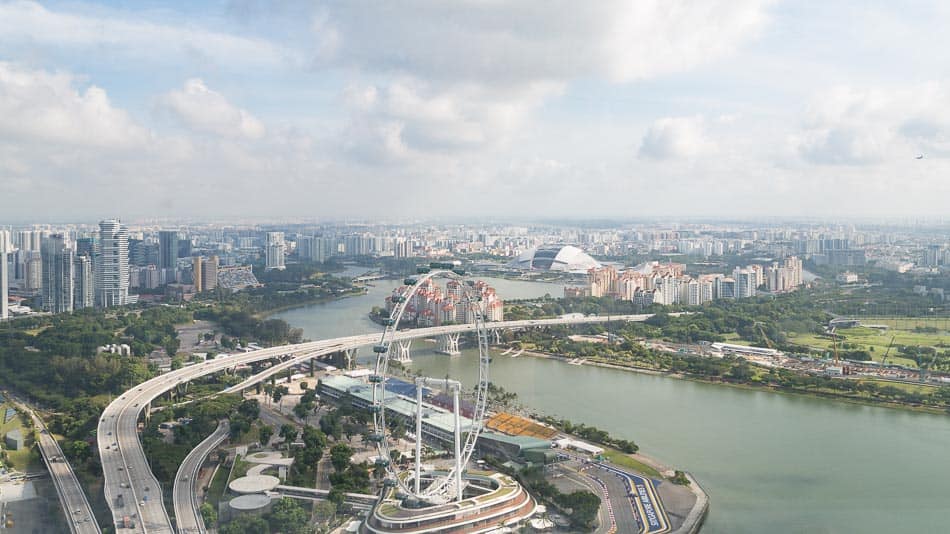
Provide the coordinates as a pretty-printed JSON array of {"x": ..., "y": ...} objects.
[
  {"x": 130, "y": 487},
  {"x": 184, "y": 492}
]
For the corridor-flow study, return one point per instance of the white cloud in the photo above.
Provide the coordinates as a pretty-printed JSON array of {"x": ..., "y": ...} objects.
[
  {"x": 46, "y": 107},
  {"x": 466, "y": 75},
  {"x": 676, "y": 138},
  {"x": 29, "y": 22},
  {"x": 206, "y": 111},
  {"x": 849, "y": 126},
  {"x": 538, "y": 40},
  {"x": 410, "y": 117}
]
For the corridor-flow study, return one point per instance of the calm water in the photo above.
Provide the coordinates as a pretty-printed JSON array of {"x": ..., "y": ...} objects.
[{"x": 770, "y": 462}]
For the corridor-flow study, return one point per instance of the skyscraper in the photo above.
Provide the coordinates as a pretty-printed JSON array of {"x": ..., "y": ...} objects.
[
  {"x": 196, "y": 272},
  {"x": 4, "y": 274},
  {"x": 167, "y": 249},
  {"x": 57, "y": 274},
  {"x": 274, "y": 251},
  {"x": 112, "y": 269}
]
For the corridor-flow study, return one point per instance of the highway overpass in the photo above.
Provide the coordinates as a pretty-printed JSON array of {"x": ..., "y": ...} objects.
[{"x": 131, "y": 489}]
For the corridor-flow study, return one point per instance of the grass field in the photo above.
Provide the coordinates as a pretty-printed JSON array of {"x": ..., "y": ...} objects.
[
  {"x": 623, "y": 460},
  {"x": 904, "y": 386},
  {"x": 942, "y": 324}
]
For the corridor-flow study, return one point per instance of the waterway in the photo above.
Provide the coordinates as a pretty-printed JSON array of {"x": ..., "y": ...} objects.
[{"x": 770, "y": 462}]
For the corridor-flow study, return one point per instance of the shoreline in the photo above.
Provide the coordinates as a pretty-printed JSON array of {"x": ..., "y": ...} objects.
[
  {"x": 748, "y": 387},
  {"x": 322, "y": 300}
]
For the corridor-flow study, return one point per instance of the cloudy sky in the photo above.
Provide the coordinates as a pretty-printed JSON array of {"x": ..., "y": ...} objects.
[{"x": 474, "y": 108}]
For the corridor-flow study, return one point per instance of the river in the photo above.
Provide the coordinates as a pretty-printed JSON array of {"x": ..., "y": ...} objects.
[{"x": 770, "y": 462}]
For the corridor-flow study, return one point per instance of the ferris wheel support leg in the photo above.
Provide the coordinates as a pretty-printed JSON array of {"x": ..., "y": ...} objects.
[
  {"x": 418, "y": 435},
  {"x": 458, "y": 445},
  {"x": 497, "y": 334}
]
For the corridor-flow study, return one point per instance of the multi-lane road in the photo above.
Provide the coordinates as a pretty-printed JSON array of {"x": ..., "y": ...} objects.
[
  {"x": 130, "y": 488},
  {"x": 184, "y": 494}
]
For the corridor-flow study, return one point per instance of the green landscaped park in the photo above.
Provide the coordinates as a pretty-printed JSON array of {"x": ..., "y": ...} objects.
[
  {"x": 876, "y": 340},
  {"x": 24, "y": 459}
]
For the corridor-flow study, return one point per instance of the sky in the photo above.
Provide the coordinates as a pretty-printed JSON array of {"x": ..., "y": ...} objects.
[{"x": 416, "y": 109}]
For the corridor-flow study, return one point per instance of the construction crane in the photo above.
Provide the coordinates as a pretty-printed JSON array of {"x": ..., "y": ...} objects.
[
  {"x": 834, "y": 343},
  {"x": 888, "y": 351}
]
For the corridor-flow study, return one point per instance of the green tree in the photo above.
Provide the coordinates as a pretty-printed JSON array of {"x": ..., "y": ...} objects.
[
  {"x": 288, "y": 517},
  {"x": 208, "y": 514},
  {"x": 288, "y": 433},
  {"x": 266, "y": 432},
  {"x": 340, "y": 455}
]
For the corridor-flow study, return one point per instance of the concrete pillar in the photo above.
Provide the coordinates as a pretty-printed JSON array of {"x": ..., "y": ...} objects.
[
  {"x": 458, "y": 444},
  {"x": 449, "y": 344},
  {"x": 402, "y": 354}
]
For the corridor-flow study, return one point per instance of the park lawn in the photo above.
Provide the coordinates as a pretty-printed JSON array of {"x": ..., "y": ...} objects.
[
  {"x": 623, "y": 460},
  {"x": 924, "y": 389},
  {"x": 217, "y": 486},
  {"x": 942, "y": 324}
]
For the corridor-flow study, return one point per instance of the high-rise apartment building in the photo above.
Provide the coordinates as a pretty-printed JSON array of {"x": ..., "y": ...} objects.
[
  {"x": 84, "y": 282},
  {"x": 58, "y": 280},
  {"x": 746, "y": 280},
  {"x": 112, "y": 269},
  {"x": 274, "y": 251},
  {"x": 33, "y": 271},
  {"x": 196, "y": 270},
  {"x": 4, "y": 274}
]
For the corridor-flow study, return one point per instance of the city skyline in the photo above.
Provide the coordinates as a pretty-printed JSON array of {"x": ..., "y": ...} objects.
[{"x": 769, "y": 108}]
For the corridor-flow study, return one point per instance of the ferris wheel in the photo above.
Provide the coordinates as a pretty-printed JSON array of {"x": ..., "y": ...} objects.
[{"x": 446, "y": 485}]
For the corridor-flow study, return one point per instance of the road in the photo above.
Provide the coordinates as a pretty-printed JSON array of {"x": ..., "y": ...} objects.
[
  {"x": 125, "y": 468},
  {"x": 184, "y": 492},
  {"x": 631, "y": 494},
  {"x": 73, "y": 499}
]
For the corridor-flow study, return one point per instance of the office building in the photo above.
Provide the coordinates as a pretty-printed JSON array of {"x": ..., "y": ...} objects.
[
  {"x": 168, "y": 250},
  {"x": 86, "y": 246},
  {"x": 112, "y": 269},
  {"x": 274, "y": 251},
  {"x": 57, "y": 289},
  {"x": 209, "y": 274}
]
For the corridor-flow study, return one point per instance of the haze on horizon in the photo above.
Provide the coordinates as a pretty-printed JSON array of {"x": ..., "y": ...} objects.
[{"x": 431, "y": 109}]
